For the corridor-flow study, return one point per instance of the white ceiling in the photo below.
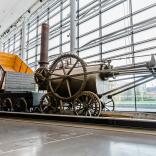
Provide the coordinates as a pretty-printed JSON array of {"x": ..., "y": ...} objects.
[{"x": 11, "y": 10}]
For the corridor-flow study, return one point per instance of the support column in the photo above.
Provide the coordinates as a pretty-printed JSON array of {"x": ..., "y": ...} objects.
[
  {"x": 23, "y": 44},
  {"x": 100, "y": 30},
  {"x": 132, "y": 49},
  {"x": 73, "y": 23}
]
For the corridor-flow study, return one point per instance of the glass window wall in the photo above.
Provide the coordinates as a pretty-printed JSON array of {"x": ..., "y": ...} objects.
[{"x": 121, "y": 30}]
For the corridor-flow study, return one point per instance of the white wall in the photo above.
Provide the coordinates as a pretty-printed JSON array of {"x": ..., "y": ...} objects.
[{"x": 11, "y": 10}]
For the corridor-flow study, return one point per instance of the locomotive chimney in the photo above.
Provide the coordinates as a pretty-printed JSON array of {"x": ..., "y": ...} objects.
[{"x": 44, "y": 45}]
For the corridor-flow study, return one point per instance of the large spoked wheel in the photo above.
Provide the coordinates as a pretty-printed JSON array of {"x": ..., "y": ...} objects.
[
  {"x": 108, "y": 104},
  {"x": 87, "y": 104},
  {"x": 64, "y": 74},
  {"x": 48, "y": 104}
]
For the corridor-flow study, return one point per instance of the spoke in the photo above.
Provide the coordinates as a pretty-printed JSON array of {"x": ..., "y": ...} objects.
[
  {"x": 64, "y": 71},
  {"x": 45, "y": 108},
  {"x": 108, "y": 102},
  {"x": 72, "y": 67},
  {"x": 68, "y": 87},
  {"x": 77, "y": 105},
  {"x": 86, "y": 113},
  {"x": 76, "y": 113},
  {"x": 41, "y": 71},
  {"x": 80, "y": 109},
  {"x": 89, "y": 113},
  {"x": 107, "y": 108},
  {"x": 92, "y": 111},
  {"x": 90, "y": 101}
]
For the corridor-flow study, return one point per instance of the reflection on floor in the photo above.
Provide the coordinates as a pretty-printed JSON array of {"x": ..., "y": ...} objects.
[{"x": 28, "y": 138}]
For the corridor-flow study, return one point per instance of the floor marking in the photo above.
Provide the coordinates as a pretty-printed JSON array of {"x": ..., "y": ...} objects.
[
  {"x": 87, "y": 126},
  {"x": 53, "y": 141},
  {"x": 35, "y": 137}
]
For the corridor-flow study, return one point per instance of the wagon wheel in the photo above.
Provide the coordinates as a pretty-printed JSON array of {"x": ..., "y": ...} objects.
[
  {"x": 64, "y": 80},
  {"x": 7, "y": 104},
  {"x": 87, "y": 104},
  {"x": 108, "y": 104},
  {"x": 48, "y": 104},
  {"x": 40, "y": 75},
  {"x": 21, "y": 105}
]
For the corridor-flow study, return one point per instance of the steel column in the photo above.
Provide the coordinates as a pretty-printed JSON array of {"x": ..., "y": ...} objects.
[
  {"x": 132, "y": 47},
  {"x": 23, "y": 41},
  {"x": 100, "y": 30},
  {"x": 61, "y": 25},
  {"x": 73, "y": 26}
]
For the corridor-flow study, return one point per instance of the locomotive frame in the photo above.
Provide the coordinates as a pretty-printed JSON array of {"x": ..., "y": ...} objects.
[{"x": 68, "y": 91}]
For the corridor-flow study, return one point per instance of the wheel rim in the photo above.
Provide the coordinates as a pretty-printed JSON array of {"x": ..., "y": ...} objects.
[
  {"x": 47, "y": 105},
  {"x": 108, "y": 105},
  {"x": 87, "y": 104},
  {"x": 65, "y": 77}
]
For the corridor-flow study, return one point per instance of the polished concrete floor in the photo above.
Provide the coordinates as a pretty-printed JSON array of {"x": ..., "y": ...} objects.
[{"x": 32, "y": 138}]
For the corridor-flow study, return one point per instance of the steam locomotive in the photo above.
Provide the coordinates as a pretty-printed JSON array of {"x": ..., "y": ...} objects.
[{"x": 70, "y": 83}]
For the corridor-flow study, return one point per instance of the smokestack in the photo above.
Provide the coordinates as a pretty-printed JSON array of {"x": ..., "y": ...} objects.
[{"x": 44, "y": 45}]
